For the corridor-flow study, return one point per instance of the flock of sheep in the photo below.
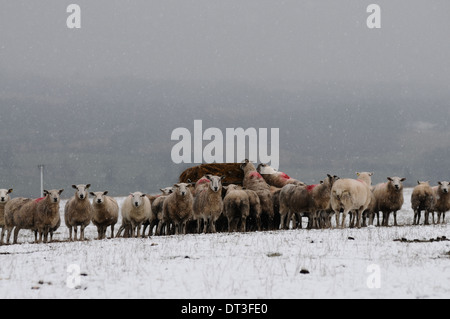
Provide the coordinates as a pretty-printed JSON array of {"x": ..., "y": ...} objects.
[{"x": 267, "y": 200}]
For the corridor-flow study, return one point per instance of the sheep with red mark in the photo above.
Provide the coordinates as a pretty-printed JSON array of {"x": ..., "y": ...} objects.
[
  {"x": 255, "y": 182},
  {"x": 308, "y": 201},
  {"x": 351, "y": 196},
  {"x": 275, "y": 178},
  {"x": 389, "y": 198},
  {"x": 40, "y": 215},
  {"x": 442, "y": 203}
]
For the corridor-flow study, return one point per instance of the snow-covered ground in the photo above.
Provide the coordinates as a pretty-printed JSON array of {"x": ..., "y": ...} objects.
[{"x": 349, "y": 263}]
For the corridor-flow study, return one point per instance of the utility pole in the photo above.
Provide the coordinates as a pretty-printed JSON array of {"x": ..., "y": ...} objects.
[{"x": 41, "y": 167}]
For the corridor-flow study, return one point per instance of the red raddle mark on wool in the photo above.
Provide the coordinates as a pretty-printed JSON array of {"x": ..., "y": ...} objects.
[
  {"x": 255, "y": 174},
  {"x": 309, "y": 188},
  {"x": 202, "y": 181},
  {"x": 39, "y": 199},
  {"x": 285, "y": 176}
]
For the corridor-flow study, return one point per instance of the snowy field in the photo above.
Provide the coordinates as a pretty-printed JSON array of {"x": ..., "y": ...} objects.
[{"x": 349, "y": 263}]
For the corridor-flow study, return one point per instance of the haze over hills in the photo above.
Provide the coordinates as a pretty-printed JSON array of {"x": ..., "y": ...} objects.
[{"x": 116, "y": 135}]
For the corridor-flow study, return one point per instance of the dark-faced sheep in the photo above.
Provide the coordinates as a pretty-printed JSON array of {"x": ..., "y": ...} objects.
[
  {"x": 208, "y": 203},
  {"x": 389, "y": 198},
  {"x": 442, "y": 204},
  {"x": 275, "y": 178},
  {"x": 78, "y": 211},
  {"x": 105, "y": 213},
  {"x": 350, "y": 195},
  {"x": 177, "y": 209},
  {"x": 255, "y": 182},
  {"x": 236, "y": 208},
  {"x": 422, "y": 199},
  {"x": 4, "y": 198}
]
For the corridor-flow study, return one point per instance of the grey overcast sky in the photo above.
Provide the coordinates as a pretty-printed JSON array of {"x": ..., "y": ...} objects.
[
  {"x": 268, "y": 43},
  {"x": 99, "y": 104}
]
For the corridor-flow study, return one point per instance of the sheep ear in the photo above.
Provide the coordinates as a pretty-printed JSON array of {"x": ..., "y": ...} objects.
[
  {"x": 418, "y": 182},
  {"x": 222, "y": 177},
  {"x": 88, "y": 185},
  {"x": 390, "y": 179},
  {"x": 371, "y": 174},
  {"x": 321, "y": 182},
  {"x": 92, "y": 193},
  {"x": 357, "y": 174},
  {"x": 176, "y": 186},
  {"x": 440, "y": 183},
  {"x": 336, "y": 177},
  {"x": 143, "y": 195},
  {"x": 189, "y": 181},
  {"x": 60, "y": 191},
  {"x": 403, "y": 179},
  {"x": 162, "y": 190},
  {"x": 46, "y": 192},
  {"x": 10, "y": 191},
  {"x": 208, "y": 176},
  {"x": 105, "y": 192},
  {"x": 74, "y": 187}
]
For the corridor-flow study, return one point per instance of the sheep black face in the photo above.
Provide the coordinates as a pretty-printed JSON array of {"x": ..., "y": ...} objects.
[
  {"x": 396, "y": 182},
  {"x": 54, "y": 195},
  {"x": 182, "y": 189},
  {"x": 444, "y": 186},
  {"x": 215, "y": 182},
  {"x": 4, "y": 195},
  {"x": 81, "y": 192}
]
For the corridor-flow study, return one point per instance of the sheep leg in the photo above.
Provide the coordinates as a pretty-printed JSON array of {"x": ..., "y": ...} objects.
[
  {"x": 359, "y": 217},
  {"x": 8, "y": 237},
  {"x": 395, "y": 218},
  {"x": 443, "y": 218},
  {"x": 16, "y": 234},
  {"x": 2, "y": 236},
  {"x": 338, "y": 217},
  {"x": 427, "y": 218},
  {"x": 112, "y": 230},
  {"x": 344, "y": 217},
  {"x": 75, "y": 230}
]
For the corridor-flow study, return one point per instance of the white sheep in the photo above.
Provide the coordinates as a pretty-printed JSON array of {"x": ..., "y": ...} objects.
[
  {"x": 4, "y": 198},
  {"x": 389, "y": 198},
  {"x": 105, "y": 213},
  {"x": 78, "y": 211},
  {"x": 350, "y": 195},
  {"x": 208, "y": 203},
  {"x": 136, "y": 210}
]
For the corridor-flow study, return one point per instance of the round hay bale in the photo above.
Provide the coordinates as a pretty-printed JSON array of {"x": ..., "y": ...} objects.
[{"x": 232, "y": 171}]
